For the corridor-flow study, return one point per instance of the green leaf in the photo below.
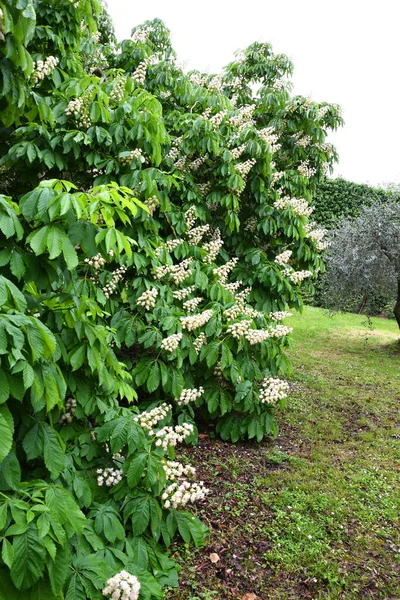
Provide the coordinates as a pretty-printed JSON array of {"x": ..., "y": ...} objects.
[
  {"x": 6, "y": 431},
  {"x": 140, "y": 511},
  {"x": 29, "y": 559},
  {"x": 136, "y": 468},
  {"x": 53, "y": 450},
  {"x": 154, "y": 378},
  {"x": 59, "y": 568},
  {"x": 11, "y": 470},
  {"x": 7, "y": 553}
]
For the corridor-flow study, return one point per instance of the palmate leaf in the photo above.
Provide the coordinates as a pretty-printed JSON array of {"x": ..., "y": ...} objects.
[{"x": 29, "y": 558}]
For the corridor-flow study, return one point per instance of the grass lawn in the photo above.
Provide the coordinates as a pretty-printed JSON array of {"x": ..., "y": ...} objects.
[{"x": 315, "y": 513}]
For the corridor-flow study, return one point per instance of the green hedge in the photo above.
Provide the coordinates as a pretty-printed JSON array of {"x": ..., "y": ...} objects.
[{"x": 336, "y": 198}]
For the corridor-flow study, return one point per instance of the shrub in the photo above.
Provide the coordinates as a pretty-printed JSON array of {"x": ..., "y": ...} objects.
[{"x": 143, "y": 298}]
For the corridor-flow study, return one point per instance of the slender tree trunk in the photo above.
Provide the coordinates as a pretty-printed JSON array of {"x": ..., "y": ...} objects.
[
  {"x": 396, "y": 309},
  {"x": 363, "y": 303}
]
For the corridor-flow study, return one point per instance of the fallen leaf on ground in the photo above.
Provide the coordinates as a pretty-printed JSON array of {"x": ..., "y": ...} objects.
[{"x": 214, "y": 557}]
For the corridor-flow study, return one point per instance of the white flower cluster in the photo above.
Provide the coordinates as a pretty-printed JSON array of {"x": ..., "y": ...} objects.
[
  {"x": 198, "y": 79},
  {"x": 213, "y": 247},
  {"x": 299, "y": 206},
  {"x": 305, "y": 170},
  {"x": 180, "y": 163},
  {"x": 233, "y": 312},
  {"x": 280, "y": 331},
  {"x": 273, "y": 390},
  {"x": 141, "y": 35},
  {"x": 122, "y": 586},
  {"x": 190, "y": 217},
  {"x": 237, "y": 152},
  {"x": 139, "y": 75},
  {"x": 197, "y": 163},
  {"x": 204, "y": 188},
  {"x": 196, "y": 234},
  {"x": 192, "y": 304},
  {"x": 239, "y": 329},
  {"x": 200, "y": 341},
  {"x": 280, "y": 84},
  {"x": 178, "y": 495},
  {"x": 223, "y": 271},
  {"x": 195, "y": 321},
  {"x": 97, "y": 262},
  {"x": 117, "y": 275},
  {"x": 250, "y": 224},
  {"x": 283, "y": 258},
  {"x": 152, "y": 203},
  {"x": 183, "y": 293},
  {"x": 149, "y": 418},
  {"x": 317, "y": 236},
  {"x": 250, "y": 312},
  {"x": 277, "y": 176},
  {"x": 43, "y": 68},
  {"x": 148, "y": 299},
  {"x": 244, "y": 167},
  {"x": 241, "y": 296},
  {"x": 279, "y": 315},
  {"x": 216, "y": 83},
  {"x": 171, "y": 436},
  {"x": 178, "y": 272},
  {"x": 256, "y": 336},
  {"x": 303, "y": 141},
  {"x": 70, "y": 406},
  {"x": 171, "y": 342},
  {"x": 189, "y": 395},
  {"x": 169, "y": 245},
  {"x": 325, "y": 147},
  {"x": 269, "y": 135},
  {"x": 299, "y": 276},
  {"x": 231, "y": 287},
  {"x": 133, "y": 155},
  {"x": 109, "y": 476},
  {"x": 173, "y": 153},
  {"x": 322, "y": 111},
  {"x": 243, "y": 116},
  {"x": 118, "y": 92},
  {"x": 217, "y": 119},
  {"x": 175, "y": 470},
  {"x": 79, "y": 109}
]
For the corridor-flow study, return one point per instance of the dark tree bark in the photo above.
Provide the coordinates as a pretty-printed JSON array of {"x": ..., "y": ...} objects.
[{"x": 396, "y": 309}]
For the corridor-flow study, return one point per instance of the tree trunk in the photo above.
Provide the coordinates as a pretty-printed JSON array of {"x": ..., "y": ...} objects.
[
  {"x": 396, "y": 309},
  {"x": 363, "y": 303}
]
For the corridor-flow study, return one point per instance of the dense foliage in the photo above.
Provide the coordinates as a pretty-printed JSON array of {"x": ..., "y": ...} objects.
[
  {"x": 154, "y": 228},
  {"x": 337, "y": 198},
  {"x": 363, "y": 259}
]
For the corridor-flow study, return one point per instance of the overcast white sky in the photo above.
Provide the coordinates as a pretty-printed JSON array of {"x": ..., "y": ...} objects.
[{"x": 344, "y": 51}]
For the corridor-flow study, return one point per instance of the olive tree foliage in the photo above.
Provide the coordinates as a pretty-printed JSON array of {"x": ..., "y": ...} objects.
[
  {"x": 154, "y": 226},
  {"x": 364, "y": 258}
]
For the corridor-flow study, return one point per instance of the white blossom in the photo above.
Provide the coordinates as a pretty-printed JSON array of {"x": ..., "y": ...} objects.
[
  {"x": 194, "y": 321},
  {"x": 272, "y": 390},
  {"x": 148, "y": 299},
  {"x": 279, "y": 315},
  {"x": 189, "y": 395},
  {"x": 171, "y": 342},
  {"x": 171, "y": 436},
  {"x": 122, "y": 586},
  {"x": 70, "y": 406},
  {"x": 283, "y": 258},
  {"x": 148, "y": 419},
  {"x": 178, "y": 495},
  {"x": 108, "y": 476}
]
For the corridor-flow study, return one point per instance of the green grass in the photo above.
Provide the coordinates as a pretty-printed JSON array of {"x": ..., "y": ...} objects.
[{"x": 324, "y": 503}]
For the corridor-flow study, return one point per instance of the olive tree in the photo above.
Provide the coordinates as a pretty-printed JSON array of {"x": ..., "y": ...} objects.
[{"x": 364, "y": 258}]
